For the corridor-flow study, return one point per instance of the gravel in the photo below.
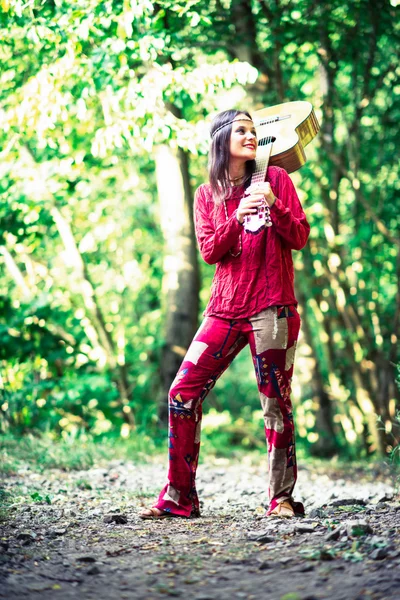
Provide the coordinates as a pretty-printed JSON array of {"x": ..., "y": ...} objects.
[{"x": 90, "y": 543}]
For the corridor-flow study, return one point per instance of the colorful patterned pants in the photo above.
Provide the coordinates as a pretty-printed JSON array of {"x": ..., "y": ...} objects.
[{"x": 272, "y": 335}]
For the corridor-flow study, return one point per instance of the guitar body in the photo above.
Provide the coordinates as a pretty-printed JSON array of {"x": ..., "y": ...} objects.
[{"x": 295, "y": 126}]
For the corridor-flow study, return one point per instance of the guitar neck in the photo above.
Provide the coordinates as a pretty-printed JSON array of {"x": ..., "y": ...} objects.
[{"x": 262, "y": 165}]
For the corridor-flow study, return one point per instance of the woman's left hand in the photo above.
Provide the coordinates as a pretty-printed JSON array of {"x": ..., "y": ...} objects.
[{"x": 262, "y": 189}]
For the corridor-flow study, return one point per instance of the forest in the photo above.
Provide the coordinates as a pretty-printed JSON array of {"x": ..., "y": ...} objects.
[{"x": 105, "y": 107}]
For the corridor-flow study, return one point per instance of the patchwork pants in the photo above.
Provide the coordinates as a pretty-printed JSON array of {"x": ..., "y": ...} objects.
[{"x": 272, "y": 335}]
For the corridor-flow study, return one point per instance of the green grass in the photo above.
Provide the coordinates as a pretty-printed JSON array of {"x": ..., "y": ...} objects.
[
  {"x": 44, "y": 452},
  {"x": 5, "y": 501},
  {"x": 41, "y": 452}
]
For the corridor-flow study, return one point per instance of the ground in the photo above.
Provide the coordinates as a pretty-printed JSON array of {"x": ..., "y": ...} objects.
[{"x": 78, "y": 535}]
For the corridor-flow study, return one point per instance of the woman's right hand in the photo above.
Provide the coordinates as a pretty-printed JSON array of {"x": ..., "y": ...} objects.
[{"x": 248, "y": 206}]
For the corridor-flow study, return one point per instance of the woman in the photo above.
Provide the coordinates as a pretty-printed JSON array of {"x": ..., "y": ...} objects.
[{"x": 252, "y": 302}]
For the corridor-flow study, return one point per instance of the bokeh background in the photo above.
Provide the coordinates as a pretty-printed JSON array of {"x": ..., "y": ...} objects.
[{"x": 104, "y": 115}]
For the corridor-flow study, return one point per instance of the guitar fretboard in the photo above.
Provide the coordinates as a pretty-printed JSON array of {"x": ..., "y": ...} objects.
[
  {"x": 260, "y": 171},
  {"x": 262, "y": 163}
]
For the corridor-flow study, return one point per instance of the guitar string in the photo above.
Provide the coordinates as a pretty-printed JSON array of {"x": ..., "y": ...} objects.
[{"x": 257, "y": 173}]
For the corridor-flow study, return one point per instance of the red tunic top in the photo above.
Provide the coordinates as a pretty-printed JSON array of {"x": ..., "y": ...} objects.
[{"x": 262, "y": 275}]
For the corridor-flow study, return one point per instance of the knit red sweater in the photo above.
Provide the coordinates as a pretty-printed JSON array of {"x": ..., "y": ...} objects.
[{"x": 262, "y": 275}]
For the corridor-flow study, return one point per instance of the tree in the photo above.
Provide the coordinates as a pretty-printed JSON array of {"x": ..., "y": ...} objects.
[{"x": 91, "y": 91}]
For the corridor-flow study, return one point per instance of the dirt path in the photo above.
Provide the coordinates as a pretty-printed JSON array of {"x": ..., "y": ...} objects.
[{"x": 80, "y": 537}]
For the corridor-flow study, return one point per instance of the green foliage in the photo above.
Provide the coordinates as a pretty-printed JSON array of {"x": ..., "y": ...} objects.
[
  {"x": 36, "y": 497},
  {"x": 5, "y": 501},
  {"x": 71, "y": 453},
  {"x": 81, "y": 110},
  {"x": 89, "y": 90},
  {"x": 223, "y": 435}
]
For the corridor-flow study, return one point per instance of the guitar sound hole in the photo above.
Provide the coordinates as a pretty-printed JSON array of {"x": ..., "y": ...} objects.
[{"x": 267, "y": 140}]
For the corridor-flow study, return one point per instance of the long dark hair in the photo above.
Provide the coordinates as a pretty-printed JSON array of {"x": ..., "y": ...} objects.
[{"x": 218, "y": 163}]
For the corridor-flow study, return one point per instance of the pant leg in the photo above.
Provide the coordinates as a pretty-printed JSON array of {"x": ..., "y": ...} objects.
[
  {"x": 273, "y": 340},
  {"x": 214, "y": 346}
]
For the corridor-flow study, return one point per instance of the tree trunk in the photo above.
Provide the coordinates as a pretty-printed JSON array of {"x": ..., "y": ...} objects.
[
  {"x": 326, "y": 445},
  {"x": 181, "y": 282},
  {"x": 98, "y": 335}
]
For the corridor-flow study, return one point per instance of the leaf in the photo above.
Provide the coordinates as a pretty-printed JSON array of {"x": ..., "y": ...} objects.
[
  {"x": 215, "y": 543},
  {"x": 353, "y": 556},
  {"x": 37, "y": 497},
  {"x": 195, "y": 19}
]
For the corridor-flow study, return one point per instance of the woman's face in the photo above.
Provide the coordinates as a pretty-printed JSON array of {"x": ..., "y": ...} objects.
[{"x": 243, "y": 144}]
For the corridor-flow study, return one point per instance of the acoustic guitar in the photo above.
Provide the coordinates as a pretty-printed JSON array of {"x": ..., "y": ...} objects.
[
  {"x": 293, "y": 125},
  {"x": 282, "y": 131}
]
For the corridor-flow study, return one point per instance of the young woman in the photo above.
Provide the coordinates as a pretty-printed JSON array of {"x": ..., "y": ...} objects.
[{"x": 252, "y": 302}]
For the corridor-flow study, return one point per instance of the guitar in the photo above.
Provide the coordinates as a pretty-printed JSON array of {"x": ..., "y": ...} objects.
[{"x": 283, "y": 131}]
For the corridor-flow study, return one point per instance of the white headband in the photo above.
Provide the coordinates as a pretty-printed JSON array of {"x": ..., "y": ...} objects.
[{"x": 229, "y": 123}]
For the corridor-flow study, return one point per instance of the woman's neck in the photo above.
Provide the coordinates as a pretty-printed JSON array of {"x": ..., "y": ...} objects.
[{"x": 237, "y": 170}]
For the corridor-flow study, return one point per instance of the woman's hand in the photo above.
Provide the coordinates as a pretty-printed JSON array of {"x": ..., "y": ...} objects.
[
  {"x": 263, "y": 189},
  {"x": 248, "y": 206}
]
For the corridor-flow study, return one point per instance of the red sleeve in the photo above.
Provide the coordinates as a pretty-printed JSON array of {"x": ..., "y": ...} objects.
[
  {"x": 287, "y": 214},
  {"x": 214, "y": 242}
]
